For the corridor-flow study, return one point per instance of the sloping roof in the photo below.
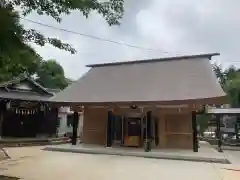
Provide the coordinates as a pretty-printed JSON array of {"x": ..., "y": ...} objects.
[
  {"x": 209, "y": 56},
  {"x": 24, "y": 77},
  {"x": 157, "y": 80},
  {"x": 27, "y": 96},
  {"x": 53, "y": 91},
  {"x": 18, "y": 94}
]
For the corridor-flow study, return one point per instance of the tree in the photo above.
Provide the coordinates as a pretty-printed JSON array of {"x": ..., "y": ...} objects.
[
  {"x": 202, "y": 121},
  {"x": 233, "y": 89},
  {"x": 220, "y": 75},
  {"x": 51, "y": 75},
  {"x": 230, "y": 82},
  {"x": 111, "y": 10},
  {"x": 20, "y": 37},
  {"x": 16, "y": 56}
]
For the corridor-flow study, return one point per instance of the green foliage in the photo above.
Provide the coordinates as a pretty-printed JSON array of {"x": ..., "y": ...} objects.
[
  {"x": 12, "y": 34},
  {"x": 16, "y": 56},
  {"x": 202, "y": 121},
  {"x": 51, "y": 75},
  {"x": 230, "y": 81},
  {"x": 220, "y": 75},
  {"x": 111, "y": 10},
  {"x": 32, "y": 35}
]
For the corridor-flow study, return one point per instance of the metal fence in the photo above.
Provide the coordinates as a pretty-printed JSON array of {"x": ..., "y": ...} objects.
[{"x": 220, "y": 127}]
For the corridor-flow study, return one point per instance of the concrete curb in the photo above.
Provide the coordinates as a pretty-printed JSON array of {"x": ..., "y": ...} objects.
[
  {"x": 32, "y": 143},
  {"x": 231, "y": 148},
  {"x": 142, "y": 155}
]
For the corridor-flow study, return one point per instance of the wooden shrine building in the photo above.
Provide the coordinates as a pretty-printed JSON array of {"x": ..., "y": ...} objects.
[
  {"x": 25, "y": 110},
  {"x": 127, "y": 103}
]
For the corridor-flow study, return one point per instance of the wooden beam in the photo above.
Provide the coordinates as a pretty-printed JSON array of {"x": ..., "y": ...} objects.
[{"x": 76, "y": 108}]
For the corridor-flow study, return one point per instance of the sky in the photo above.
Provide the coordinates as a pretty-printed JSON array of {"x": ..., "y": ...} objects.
[{"x": 170, "y": 27}]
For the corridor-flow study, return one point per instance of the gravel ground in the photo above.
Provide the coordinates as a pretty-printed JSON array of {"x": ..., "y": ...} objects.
[{"x": 30, "y": 163}]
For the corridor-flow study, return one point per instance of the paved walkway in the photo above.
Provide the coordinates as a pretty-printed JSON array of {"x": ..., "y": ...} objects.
[
  {"x": 30, "y": 163},
  {"x": 206, "y": 152}
]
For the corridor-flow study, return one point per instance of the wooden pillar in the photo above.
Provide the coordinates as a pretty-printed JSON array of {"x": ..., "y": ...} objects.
[
  {"x": 149, "y": 125},
  {"x": 123, "y": 130},
  {"x": 1, "y": 117},
  {"x": 194, "y": 129},
  {"x": 218, "y": 133},
  {"x": 148, "y": 131},
  {"x": 162, "y": 131},
  {"x": 2, "y": 112},
  {"x": 109, "y": 128},
  {"x": 56, "y": 122},
  {"x": 1, "y": 121},
  {"x": 75, "y": 127},
  {"x": 42, "y": 126}
]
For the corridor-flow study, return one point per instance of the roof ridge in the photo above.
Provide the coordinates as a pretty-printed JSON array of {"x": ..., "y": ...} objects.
[
  {"x": 39, "y": 85},
  {"x": 209, "y": 56},
  {"x": 22, "y": 77}
]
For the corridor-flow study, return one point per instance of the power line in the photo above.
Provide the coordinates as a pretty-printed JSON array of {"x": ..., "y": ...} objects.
[{"x": 92, "y": 37}]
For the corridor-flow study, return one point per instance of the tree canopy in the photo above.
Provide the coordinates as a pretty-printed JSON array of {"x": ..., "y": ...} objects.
[
  {"x": 229, "y": 79},
  {"x": 17, "y": 57},
  {"x": 16, "y": 54},
  {"x": 111, "y": 10},
  {"x": 51, "y": 75}
]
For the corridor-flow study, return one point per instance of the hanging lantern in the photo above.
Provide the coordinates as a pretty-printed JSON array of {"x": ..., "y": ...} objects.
[{"x": 133, "y": 107}]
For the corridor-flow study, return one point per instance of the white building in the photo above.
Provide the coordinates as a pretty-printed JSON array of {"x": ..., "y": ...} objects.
[{"x": 65, "y": 116}]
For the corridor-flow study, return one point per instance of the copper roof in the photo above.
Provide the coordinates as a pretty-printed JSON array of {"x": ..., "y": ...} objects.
[{"x": 158, "y": 80}]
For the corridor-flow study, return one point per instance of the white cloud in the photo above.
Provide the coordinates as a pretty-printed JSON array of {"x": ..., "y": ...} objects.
[{"x": 179, "y": 27}]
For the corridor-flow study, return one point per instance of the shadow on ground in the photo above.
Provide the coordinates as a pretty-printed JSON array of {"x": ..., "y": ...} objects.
[{"x": 8, "y": 178}]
